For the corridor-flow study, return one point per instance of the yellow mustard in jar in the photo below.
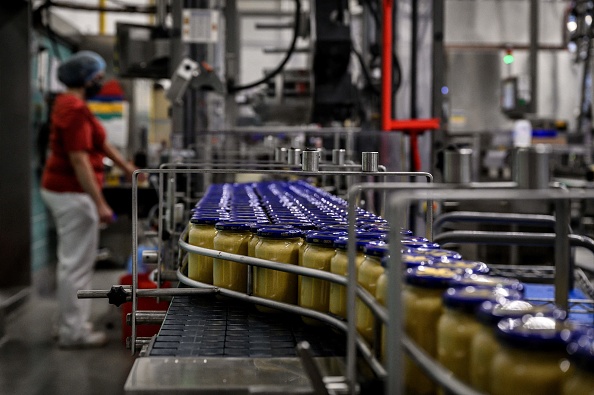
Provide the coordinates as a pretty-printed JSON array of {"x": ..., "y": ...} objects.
[
  {"x": 369, "y": 272},
  {"x": 532, "y": 359},
  {"x": 314, "y": 293},
  {"x": 202, "y": 233},
  {"x": 381, "y": 295},
  {"x": 422, "y": 304},
  {"x": 457, "y": 326},
  {"x": 484, "y": 345},
  {"x": 339, "y": 265},
  {"x": 581, "y": 354},
  {"x": 232, "y": 237},
  {"x": 278, "y": 245}
]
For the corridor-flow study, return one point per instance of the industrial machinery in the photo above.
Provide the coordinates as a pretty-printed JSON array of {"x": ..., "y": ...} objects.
[{"x": 215, "y": 339}]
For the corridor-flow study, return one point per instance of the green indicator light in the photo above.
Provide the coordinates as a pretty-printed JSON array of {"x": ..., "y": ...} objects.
[{"x": 508, "y": 59}]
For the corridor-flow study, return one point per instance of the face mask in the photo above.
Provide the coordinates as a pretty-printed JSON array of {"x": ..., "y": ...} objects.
[{"x": 93, "y": 89}]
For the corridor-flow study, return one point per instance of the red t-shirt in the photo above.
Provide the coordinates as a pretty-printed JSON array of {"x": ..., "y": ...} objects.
[{"x": 73, "y": 128}]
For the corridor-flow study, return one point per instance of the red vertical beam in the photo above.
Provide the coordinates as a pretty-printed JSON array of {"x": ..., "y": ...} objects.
[{"x": 387, "y": 44}]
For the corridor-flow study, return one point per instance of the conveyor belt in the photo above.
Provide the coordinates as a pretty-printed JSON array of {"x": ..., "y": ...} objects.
[{"x": 209, "y": 326}]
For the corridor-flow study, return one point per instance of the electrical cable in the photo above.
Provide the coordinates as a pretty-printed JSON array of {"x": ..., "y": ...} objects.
[
  {"x": 364, "y": 70},
  {"x": 395, "y": 60},
  {"x": 281, "y": 66}
]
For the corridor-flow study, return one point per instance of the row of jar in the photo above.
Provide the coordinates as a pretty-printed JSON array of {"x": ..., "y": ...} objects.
[
  {"x": 492, "y": 339},
  {"x": 279, "y": 202},
  {"x": 320, "y": 250}
]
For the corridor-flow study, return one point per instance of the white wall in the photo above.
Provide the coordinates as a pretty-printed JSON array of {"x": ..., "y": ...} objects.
[{"x": 87, "y": 22}]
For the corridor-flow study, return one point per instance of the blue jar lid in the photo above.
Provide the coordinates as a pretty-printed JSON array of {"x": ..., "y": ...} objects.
[
  {"x": 279, "y": 233},
  {"x": 377, "y": 249},
  {"x": 326, "y": 238},
  {"x": 239, "y": 226},
  {"x": 469, "y": 299},
  {"x": 366, "y": 234},
  {"x": 342, "y": 243},
  {"x": 431, "y": 277},
  {"x": 534, "y": 333},
  {"x": 438, "y": 254},
  {"x": 484, "y": 281},
  {"x": 417, "y": 244},
  {"x": 255, "y": 226},
  {"x": 418, "y": 239},
  {"x": 490, "y": 312},
  {"x": 463, "y": 266},
  {"x": 203, "y": 220},
  {"x": 303, "y": 225},
  {"x": 413, "y": 260},
  {"x": 580, "y": 347}
]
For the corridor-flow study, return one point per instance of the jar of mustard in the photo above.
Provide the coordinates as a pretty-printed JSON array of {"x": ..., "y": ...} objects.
[
  {"x": 532, "y": 359},
  {"x": 339, "y": 265},
  {"x": 319, "y": 250},
  {"x": 484, "y": 345},
  {"x": 457, "y": 325},
  {"x": 422, "y": 308},
  {"x": 278, "y": 245},
  {"x": 581, "y": 354},
  {"x": 367, "y": 275},
  {"x": 231, "y": 237},
  {"x": 202, "y": 233}
]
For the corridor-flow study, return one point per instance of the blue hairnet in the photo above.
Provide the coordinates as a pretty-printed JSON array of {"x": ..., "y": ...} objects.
[{"x": 80, "y": 68}]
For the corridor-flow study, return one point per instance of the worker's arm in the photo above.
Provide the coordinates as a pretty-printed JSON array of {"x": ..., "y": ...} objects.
[
  {"x": 112, "y": 153},
  {"x": 86, "y": 178}
]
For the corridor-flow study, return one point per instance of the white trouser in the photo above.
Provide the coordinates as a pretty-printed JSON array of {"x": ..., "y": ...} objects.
[{"x": 77, "y": 225}]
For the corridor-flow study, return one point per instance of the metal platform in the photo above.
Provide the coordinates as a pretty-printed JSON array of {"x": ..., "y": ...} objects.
[
  {"x": 209, "y": 344},
  {"x": 212, "y": 326}
]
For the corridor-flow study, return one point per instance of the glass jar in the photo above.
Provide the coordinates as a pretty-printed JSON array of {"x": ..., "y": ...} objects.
[
  {"x": 369, "y": 271},
  {"x": 422, "y": 304},
  {"x": 532, "y": 359},
  {"x": 255, "y": 238},
  {"x": 484, "y": 345},
  {"x": 231, "y": 237},
  {"x": 581, "y": 354},
  {"x": 457, "y": 325},
  {"x": 278, "y": 245},
  {"x": 339, "y": 265},
  {"x": 381, "y": 295},
  {"x": 314, "y": 293},
  {"x": 202, "y": 233}
]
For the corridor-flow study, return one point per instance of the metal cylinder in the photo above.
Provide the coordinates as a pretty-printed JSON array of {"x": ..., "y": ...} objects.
[
  {"x": 370, "y": 161},
  {"x": 294, "y": 156},
  {"x": 457, "y": 166},
  {"x": 310, "y": 160},
  {"x": 531, "y": 166},
  {"x": 150, "y": 256},
  {"x": 280, "y": 154},
  {"x": 338, "y": 156}
]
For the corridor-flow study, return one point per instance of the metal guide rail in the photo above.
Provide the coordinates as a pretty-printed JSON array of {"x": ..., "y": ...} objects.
[{"x": 403, "y": 194}]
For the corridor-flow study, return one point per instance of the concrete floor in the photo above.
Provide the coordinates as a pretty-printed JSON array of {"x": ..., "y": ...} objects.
[{"x": 31, "y": 363}]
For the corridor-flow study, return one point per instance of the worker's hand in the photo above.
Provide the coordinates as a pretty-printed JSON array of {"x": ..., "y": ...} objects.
[
  {"x": 130, "y": 168},
  {"x": 106, "y": 215}
]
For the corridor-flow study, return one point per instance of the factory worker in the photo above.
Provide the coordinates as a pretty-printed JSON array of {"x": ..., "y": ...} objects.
[{"x": 72, "y": 190}]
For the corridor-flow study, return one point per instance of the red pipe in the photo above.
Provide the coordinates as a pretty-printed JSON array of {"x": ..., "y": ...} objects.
[
  {"x": 413, "y": 124},
  {"x": 387, "y": 44},
  {"x": 410, "y": 126}
]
